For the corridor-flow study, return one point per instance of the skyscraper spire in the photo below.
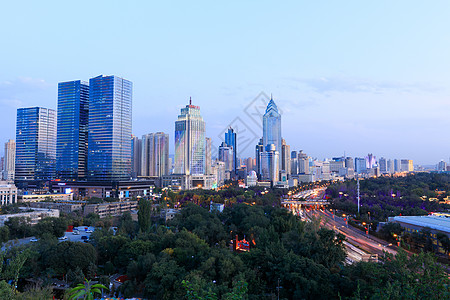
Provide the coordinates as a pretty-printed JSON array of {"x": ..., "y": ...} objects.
[{"x": 190, "y": 100}]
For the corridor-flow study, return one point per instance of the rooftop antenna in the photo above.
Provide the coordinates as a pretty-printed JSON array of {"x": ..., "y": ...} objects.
[
  {"x": 271, "y": 98},
  {"x": 190, "y": 100}
]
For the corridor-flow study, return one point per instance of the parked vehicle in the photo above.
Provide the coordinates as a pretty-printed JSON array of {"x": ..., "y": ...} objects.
[
  {"x": 62, "y": 238},
  {"x": 75, "y": 232},
  {"x": 33, "y": 240}
]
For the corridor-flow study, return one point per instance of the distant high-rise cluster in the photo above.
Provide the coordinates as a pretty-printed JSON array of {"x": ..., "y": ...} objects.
[{"x": 89, "y": 139}]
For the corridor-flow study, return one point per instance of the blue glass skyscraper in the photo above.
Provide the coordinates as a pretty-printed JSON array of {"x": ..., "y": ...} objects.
[
  {"x": 272, "y": 127},
  {"x": 231, "y": 140},
  {"x": 71, "y": 146},
  {"x": 109, "y": 137},
  {"x": 35, "y": 144}
]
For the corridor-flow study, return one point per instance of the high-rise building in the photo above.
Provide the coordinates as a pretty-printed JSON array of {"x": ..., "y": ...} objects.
[
  {"x": 294, "y": 163},
  {"x": 9, "y": 163},
  {"x": 270, "y": 164},
  {"x": 360, "y": 165},
  {"x": 226, "y": 155},
  {"x": 155, "y": 154},
  {"x": 349, "y": 163},
  {"x": 190, "y": 141},
  {"x": 441, "y": 166},
  {"x": 231, "y": 140},
  {"x": 208, "y": 159},
  {"x": 218, "y": 169},
  {"x": 390, "y": 165},
  {"x": 303, "y": 163},
  {"x": 272, "y": 127},
  {"x": 370, "y": 161},
  {"x": 109, "y": 146},
  {"x": 258, "y": 150},
  {"x": 161, "y": 154},
  {"x": 285, "y": 157},
  {"x": 147, "y": 154},
  {"x": 136, "y": 152},
  {"x": 35, "y": 144},
  {"x": 72, "y": 129},
  {"x": 406, "y": 165},
  {"x": 382, "y": 163},
  {"x": 397, "y": 166},
  {"x": 249, "y": 164}
]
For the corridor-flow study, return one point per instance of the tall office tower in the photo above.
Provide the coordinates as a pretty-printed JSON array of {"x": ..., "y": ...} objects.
[
  {"x": 370, "y": 161},
  {"x": 9, "y": 163},
  {"x": 218, "y": 170},
  {"x": 336, "y": 164},
  {"x": 294, "y": 163},
  {"x": 285, "y": 157},
  {"x": 360, "y": 165},
  {"x": 136, "y": 152},
  {"x": 441, "y": 166},
  {"x": 226, "y": 155},
  {"x": 349, "y": 163},
  {"x": 397, "y": 166},
  {"x": 109, "y": 146},
  {"x": 269, "y": 164},
  {"x": 382, "y": 163},
  {"x": 155, "y": 154},
  {"x": 190, "y": 141},
  {"x": 258, "y": 150},
  {"x": 231, "y": 140},
  {"x": 147, "y": 154},
  {"x": 390, "y": 166},
  {"x": 2, "y": 166},
  {"x": 406, "y": 165},
  {"x": 72, "y": 129},
  {"x": 303, "y": 163},
  {"x": 208, "y": 161},
  {"x": 35, "y": 144},
  {"x": 161, "y": 154},
  {"x": 250, "y": 165},
  {"x": 272, "y": 127}
]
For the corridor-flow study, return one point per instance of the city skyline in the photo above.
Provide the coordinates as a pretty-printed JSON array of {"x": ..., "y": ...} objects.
[{"x": 379, "y": 87}]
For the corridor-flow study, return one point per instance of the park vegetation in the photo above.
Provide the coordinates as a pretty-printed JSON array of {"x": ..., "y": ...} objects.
[{"x": 190, "y": 257}]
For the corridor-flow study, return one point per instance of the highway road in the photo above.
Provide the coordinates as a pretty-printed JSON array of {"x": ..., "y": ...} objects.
[{"x": 358, "y": 244}]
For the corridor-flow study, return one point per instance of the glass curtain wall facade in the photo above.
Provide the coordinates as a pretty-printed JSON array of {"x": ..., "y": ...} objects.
[
  {"x": 71, "y": 146},
  {"x": 231, "y": 140},
  {"x": 109, "y": 137},
  {"x": 272, "y": 127},
  {"x": 190, "y": 142},
  {"x": 35, "y": 144}
]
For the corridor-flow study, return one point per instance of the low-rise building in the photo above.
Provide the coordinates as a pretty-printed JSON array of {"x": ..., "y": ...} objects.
[
  {"x": 8, "y": 193},
  {"x": 35, "y": 215},
  {"x": 110, "y": 208},
  {"x": 46, "y": 197},
  {"x": 168, "y": 214},
  {"x": 63, "y": 207},
  {"x": 437, "y": 223}
]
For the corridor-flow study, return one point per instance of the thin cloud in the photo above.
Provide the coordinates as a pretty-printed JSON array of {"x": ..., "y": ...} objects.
[{"x": 328, "y": 85}]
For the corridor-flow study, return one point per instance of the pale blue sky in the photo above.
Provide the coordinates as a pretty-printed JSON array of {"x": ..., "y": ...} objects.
[{"x": 353, "y": 76}]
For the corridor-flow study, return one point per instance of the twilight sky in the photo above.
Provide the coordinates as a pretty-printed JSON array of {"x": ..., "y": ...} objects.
[{"x": 348, "y": 76}]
